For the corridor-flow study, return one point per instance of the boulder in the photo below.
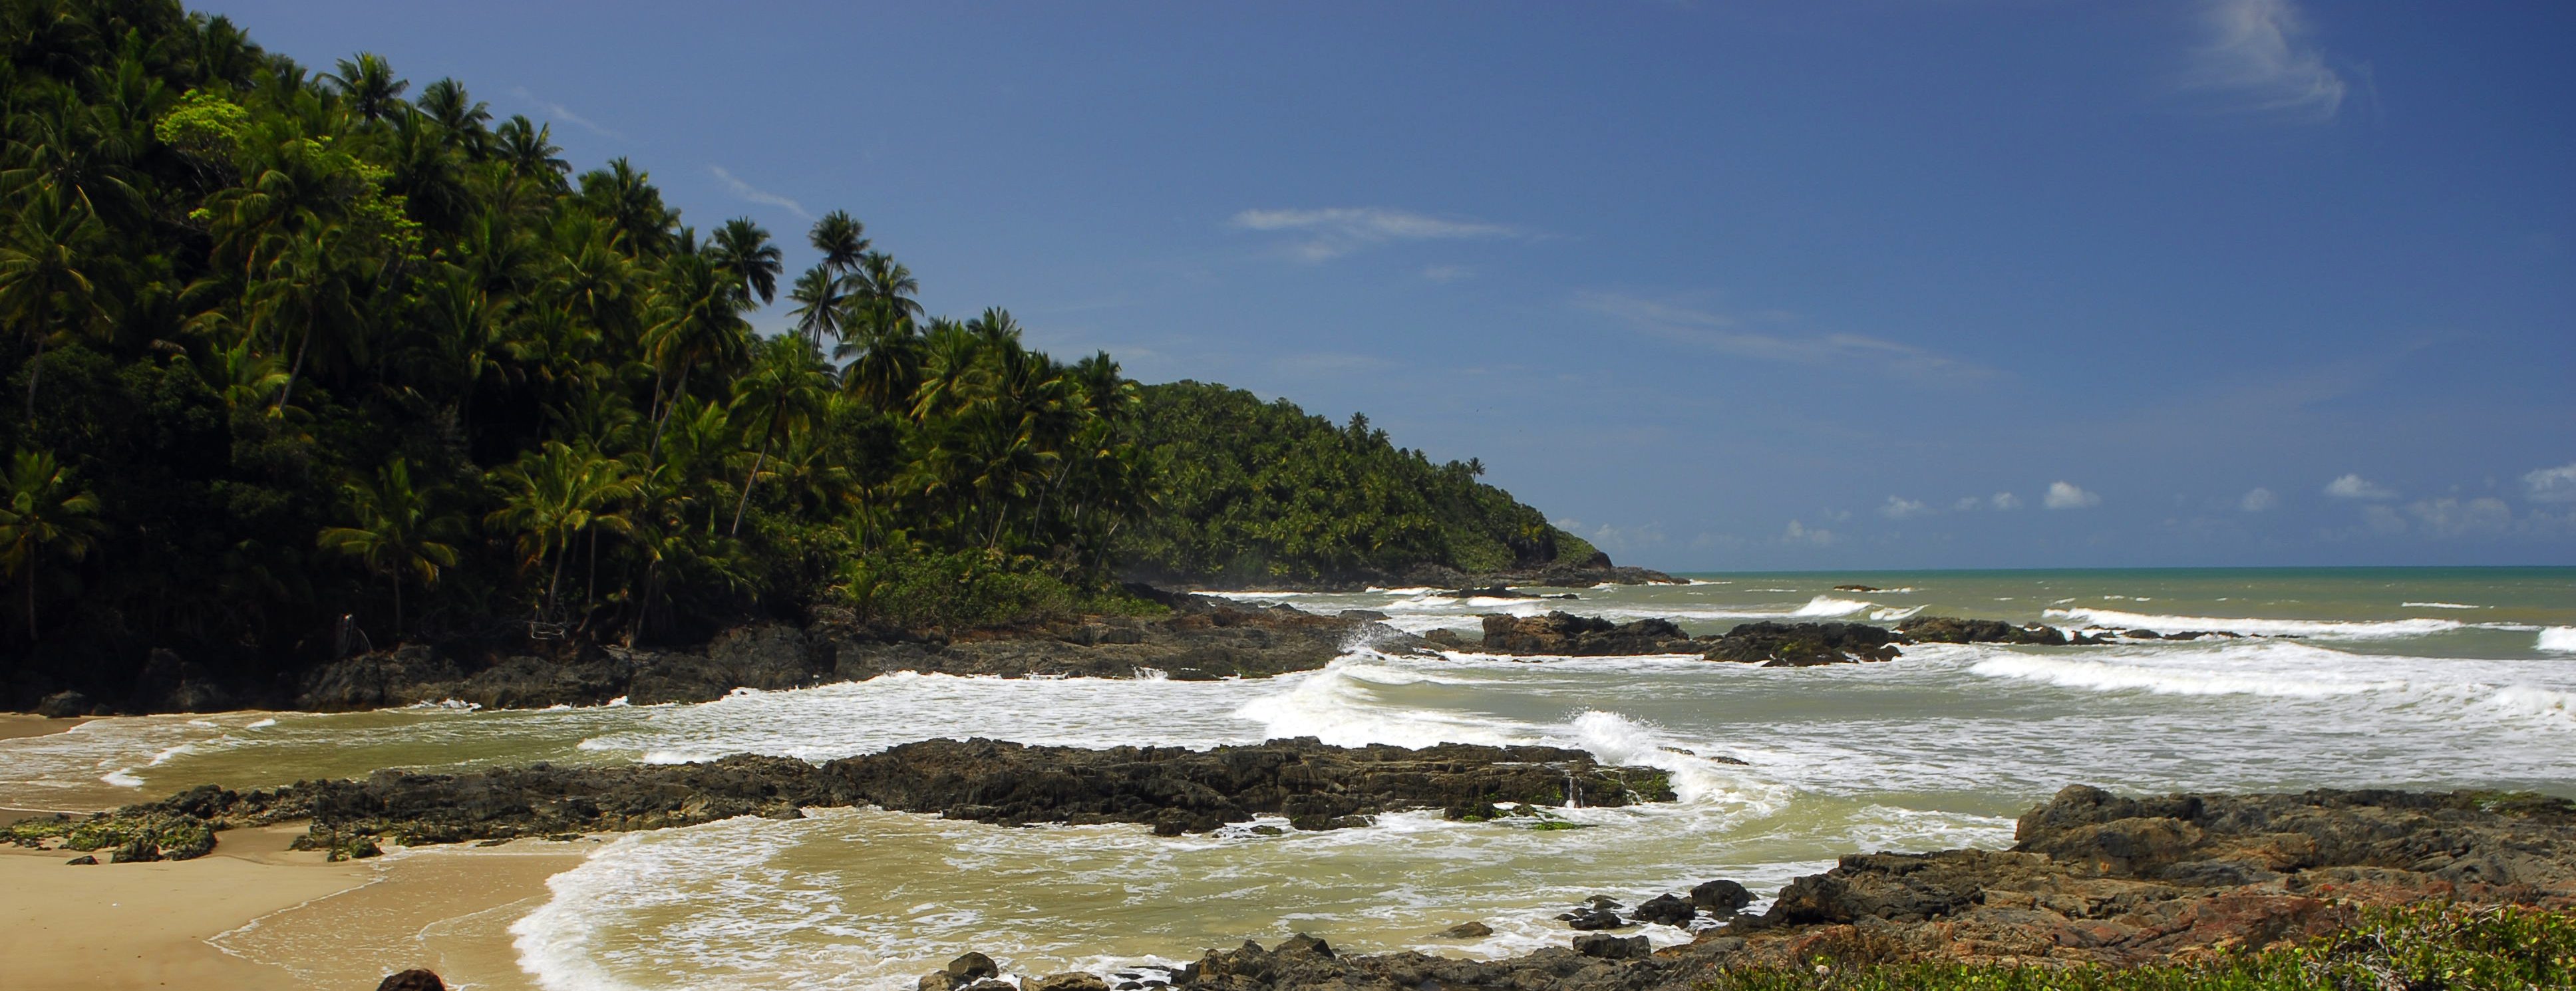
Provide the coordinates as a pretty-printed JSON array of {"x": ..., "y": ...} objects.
[
  {"x": 1721, "y": 897},
  {"x": 1951, "y": 629},
  {"x": 1070, "y": 981},
  {"x": 1592, "y": 918},
  {"x": 1607, "y": 947},
  {"x": 1801, "y": 644},
  {"x": 1665, "y": 910},
  {"x": 1468, "y": 930},
  {"x": 1566, "y": 634},
  {"x": 65, "y": 705},
  {"x": 972, "y": 967},
  {"x": 414, "y": 979}
]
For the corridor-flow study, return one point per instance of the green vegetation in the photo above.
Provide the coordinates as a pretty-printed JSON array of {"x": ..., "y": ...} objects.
[
  {"x": 289, "y": 347},
  {"x": 1262, "y": 491},
  {"x": 298, "y": 356},
  {"x": 2427, "y": 947}
]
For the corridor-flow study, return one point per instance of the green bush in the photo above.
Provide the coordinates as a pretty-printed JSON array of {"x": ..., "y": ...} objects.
[{"x": 915, "y": 590}]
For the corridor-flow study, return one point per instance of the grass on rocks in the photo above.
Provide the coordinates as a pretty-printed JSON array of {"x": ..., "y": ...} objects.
[{"x": 2415, "y": 948}]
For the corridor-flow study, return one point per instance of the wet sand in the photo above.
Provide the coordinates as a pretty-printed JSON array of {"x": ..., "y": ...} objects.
[
  {"x": 17, "y": 724},
  {"x": 255, "y": 915}
]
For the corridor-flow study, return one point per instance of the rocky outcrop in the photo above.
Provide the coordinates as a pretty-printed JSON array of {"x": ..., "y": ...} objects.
[
  {"x": 1568, "y": 635},
  {"x": 1799, "y": 645},
  {"x": 1172, "y": 789},
  {"x": 1948, "y": 629},
  {"x": 1201, "y": 639}
]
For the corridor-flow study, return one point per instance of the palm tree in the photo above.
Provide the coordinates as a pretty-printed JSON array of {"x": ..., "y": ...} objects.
[
  {"x": 302, "y": 296},
  {"x": 465, "y": 120},
  {"x": 44, "y": 291},
  {"x": 530, "y": 151},
  {"x": 779, "y": 395},
  {"x": 838, "y": 237},
  {"x": 818, "y": 306},
  {"x": 697, "y": 320},
  {"x": 555, "y": 494},
  {"x": 367, "y": 82},
  {"x": 624, "y": 196},
  {"x": 744, "y": 249},
  {"x": 41, "y": 516},
  {"x": 889, "y": 287},
  {"x": 396, "y": 535}
]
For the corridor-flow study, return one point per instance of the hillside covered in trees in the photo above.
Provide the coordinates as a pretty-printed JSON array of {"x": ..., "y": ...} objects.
[
  {"x": 301, "y": 362},
  {"x": 1260, "y": 492}
]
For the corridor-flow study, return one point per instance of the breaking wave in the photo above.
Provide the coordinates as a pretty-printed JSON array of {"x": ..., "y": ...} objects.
[{"x": 2320, "y": 628}]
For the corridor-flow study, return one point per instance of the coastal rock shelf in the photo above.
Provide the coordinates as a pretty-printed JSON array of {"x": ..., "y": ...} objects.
[
  {"x": 1201, "y": 639},
  {"x": 1172, "y": 789},
  {"x": 1767, "y": 643},
  {"x": 2094, "y": 878}
]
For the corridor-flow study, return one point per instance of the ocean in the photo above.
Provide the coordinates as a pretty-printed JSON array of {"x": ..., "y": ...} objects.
[{"x": 2404, "y": 677}]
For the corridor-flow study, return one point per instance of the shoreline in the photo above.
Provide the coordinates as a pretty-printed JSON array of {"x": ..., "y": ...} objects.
[{"x": 256, "y": 916}]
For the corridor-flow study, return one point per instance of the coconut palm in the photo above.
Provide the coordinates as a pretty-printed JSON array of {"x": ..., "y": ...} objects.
[
  {"x": 367, "y": 83},
  {"x": 697, "y": 320},
  {"x": 42, "y": 516},
  {"x": 465, "y": 121},
  {"x": 554, "y": 495},
  {"x": 743, "y": 248},
  {"x": 781, "y": 394},
  {"x": 818, "y": 312},
  {"x": 529, "y": 149},
  {"x": 45, "y": 290},
  {"x": 396, "y": 534},
  {"x": 839, "y": 237}
]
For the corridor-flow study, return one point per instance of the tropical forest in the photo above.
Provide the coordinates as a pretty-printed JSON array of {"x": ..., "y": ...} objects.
[{"x": 303, "y": 361}]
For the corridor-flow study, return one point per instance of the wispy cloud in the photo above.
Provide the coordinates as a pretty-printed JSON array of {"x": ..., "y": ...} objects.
[
  {"x": 2551, "y": 484},
  {"x": 1800, "y": 533},
  {"x": 2257, "y": 501},
  {"x": 2357, "y": 487},
  {"x": 1336, "y": 231},
  {"x": 1724, "y": 332},
  {"x": 1900, "y": 508},
  {"x": 557, "y": 111},
  {"x": 1448, "y": 273},
  {"x": 2068, "y": 495},
  {"x": 756, "y": 194},
  {"x": 2260, "y": 59}
]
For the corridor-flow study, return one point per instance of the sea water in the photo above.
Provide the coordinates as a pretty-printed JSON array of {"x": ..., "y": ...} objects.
[{"x": 2413, "y": 678}]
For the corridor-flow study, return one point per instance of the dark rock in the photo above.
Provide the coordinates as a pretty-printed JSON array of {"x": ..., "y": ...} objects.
[
  {"x": 1566, "y": 634},
  {"x": 1302, "y": 943},
  {"x": 1172, "y": 789},
  {"x": 989, "y": 984},
  {"x": 377, "y": 680},
  {"x": 65, "y": 705},
  {"x": 2142, "y": 635},
  {"x": 84, "y": 860},
  {"x": 1606, "y": 947},
  {"x": 412, "y": 980},
  {"x": 1468, "y": 930},
  {"x": 1801, "y": 644},
  {"x": 1591, "y": 918},
  {"x": 937, "y": 980},
  {"x": 1949, "y": 629},
  {"x": 1665, "y": 910},
  {"x": 972, "y": 967},
  {"x": 1721, "y": 897},
  {"x": 1858, "y": 588},
  {"x": 1072, "y": 981},
  {"x": 170, "y": 683}
]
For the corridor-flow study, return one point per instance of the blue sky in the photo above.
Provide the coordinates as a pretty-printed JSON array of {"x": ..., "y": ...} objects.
[{"x": 1942, "y": 283}]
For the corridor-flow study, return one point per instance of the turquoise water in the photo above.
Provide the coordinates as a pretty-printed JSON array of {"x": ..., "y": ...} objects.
[{"x": 2416, "y": 678}]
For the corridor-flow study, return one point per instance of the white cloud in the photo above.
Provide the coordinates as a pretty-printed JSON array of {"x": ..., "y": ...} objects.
[
  {"x": 1447, "y": 273},
  {"x": 754, "y": 194},
  {"x": 2357, "y": 487},
  {"x": 557, "y": 111},
  {"x": 2484, "y": 516},
  {"x": 1337, "y": 231},
  {"x": 2551, "y": 484},
  {"x": 1723, "y": 332},
  {"x": 1966, "y": 503},
  {"x": 2258, "y": 501},
  {"x": 1901, "y": 508},
  {"x": 2003, "y": 501},
  {"x": 2259, "y": 59},
  {"x": 1798, "y": 533},
  {"x": 2065, "y": 495}
]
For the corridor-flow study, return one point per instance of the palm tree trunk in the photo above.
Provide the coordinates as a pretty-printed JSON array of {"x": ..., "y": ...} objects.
[
  {"x": 35, "y": 368},
  {"x": 398, "y": 623},
  {"x": 665, "y": 419},
  {"x": 561, "y": 547},
  {"x": 31, "y": 602},
  {"x": 740, "y": 504},
  {"x": 288, "y": 393}
]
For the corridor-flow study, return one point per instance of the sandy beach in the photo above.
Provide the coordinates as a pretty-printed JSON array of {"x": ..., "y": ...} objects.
[{"x": 256, "y": 915}]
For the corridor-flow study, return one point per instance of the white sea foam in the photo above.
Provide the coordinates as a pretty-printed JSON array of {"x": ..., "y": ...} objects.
[
  {"x": 2102, "y": 675},
  {"x": 2558, "y": 639},
  {"x": 2436, "y": 605},
  {"x": 2324, "y": 629},
  {"x": 1825, "y": 605},
  {"x": 1892, "y": 613}
]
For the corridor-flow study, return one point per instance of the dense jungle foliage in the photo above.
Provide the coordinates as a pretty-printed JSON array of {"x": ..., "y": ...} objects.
[
  {"x": 298, "y": 361},
  {"x": 1265, "y": 491}
]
